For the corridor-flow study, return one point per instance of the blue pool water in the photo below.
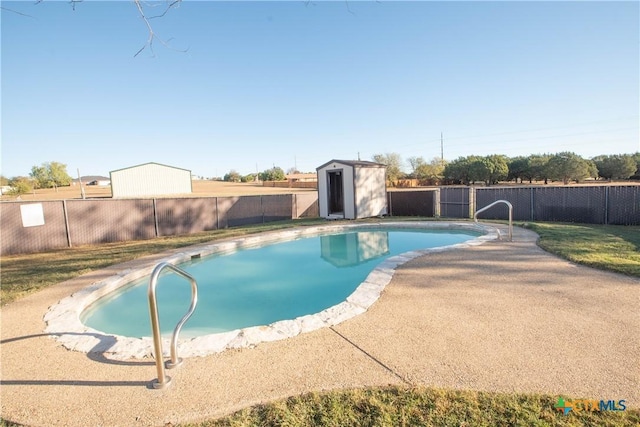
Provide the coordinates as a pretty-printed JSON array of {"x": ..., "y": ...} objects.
[{"x": 263, "y": 285}]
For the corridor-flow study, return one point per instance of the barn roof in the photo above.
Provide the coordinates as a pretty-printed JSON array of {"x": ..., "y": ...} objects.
[
  {"x": 149, "y": 163},
  {"x": 355, "y": 163}
]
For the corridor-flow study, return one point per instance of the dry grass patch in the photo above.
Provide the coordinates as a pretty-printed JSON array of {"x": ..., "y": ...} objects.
[{"x": 418, "y": 406}]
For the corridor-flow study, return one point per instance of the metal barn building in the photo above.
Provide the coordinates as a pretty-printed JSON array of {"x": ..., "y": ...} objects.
[
  {"x": 352, "y": 189},
  {"x": 150, "y": 179}
]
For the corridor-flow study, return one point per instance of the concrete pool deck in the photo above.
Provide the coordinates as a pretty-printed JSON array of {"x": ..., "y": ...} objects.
[{"x": 503, "y": 316}]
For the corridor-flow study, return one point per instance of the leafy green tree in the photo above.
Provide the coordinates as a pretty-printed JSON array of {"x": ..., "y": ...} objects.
[
  {"x": 636, "y": 156},
  {"x": 4, "y": 180},
  {"x": 478, "y": 169},
  {"x": 274, "y": 174},
  {"x": 232, "y": 176},
  {"x": 432, "y": 172},
  {"x": 617, "y": 166},
  {"x": 393, "y": 161},
  {"x": 538, "y": 168},
  {"x": 50, "y": 175},
  {"x": 20, "y": 185},
  {"x": 248, "y": 178},
  {"x": 496, "y": 168},
  {"x": 568, "y": 166},
  {"x": 462, "y": 170},
  {"x": 489, "y": 169},
  {"x": 518, "y": 168}
]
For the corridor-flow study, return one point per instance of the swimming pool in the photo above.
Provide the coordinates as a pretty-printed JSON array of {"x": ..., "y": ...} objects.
[{"x": 264, "y": 287}]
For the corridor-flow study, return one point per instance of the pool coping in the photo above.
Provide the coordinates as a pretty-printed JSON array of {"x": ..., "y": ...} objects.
[{"x": 64, "y": 324}]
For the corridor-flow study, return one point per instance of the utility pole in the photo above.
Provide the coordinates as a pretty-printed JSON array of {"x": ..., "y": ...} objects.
[
  {"x": 441, "y": 148},
  {"x": 81, "y": 187}
]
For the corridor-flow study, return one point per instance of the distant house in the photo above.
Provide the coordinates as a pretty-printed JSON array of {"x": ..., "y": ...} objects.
[
  {"x": 101, "y": 182},
  {"x": 150, "y": 179},
  {"x": 92, "y": 180},
  {"x": 302, "y": 177}
]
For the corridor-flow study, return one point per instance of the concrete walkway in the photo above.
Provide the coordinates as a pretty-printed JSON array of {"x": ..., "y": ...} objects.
[{"x": 498, "y": 317}]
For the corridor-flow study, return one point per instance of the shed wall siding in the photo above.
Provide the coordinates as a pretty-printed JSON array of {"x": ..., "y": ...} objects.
[
  {"x": 349, "y": 190},
  {"x": 371, "y": 192},
  {"x": 150, "y": 180},
  {"x": 323, "y": 208}
]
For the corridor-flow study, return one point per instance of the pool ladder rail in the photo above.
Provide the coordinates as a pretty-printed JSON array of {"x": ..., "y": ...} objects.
[
  {"x": 164, "y": 380},
  {"x": 509, "y": 205}
]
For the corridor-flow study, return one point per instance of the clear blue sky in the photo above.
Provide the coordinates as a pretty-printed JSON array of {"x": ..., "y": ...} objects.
[{"x": 300, "y": 83}]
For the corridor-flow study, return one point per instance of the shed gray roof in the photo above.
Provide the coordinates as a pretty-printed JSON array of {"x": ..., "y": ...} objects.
[{"x": 354, "y": 163}]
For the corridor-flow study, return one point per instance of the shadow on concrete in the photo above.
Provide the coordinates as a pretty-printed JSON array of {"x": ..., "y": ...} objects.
[{"x": 96, "y": 354}]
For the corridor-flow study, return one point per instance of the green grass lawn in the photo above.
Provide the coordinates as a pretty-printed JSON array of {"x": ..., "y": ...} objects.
[
  {"x": 615, "y": 248},
  {"x": 607, "y": 247}
]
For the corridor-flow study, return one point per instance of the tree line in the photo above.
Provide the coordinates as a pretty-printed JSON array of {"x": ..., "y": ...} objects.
[
  {"x": 275, "y": 173},
  {"x": 565, "y": 166},
  {"x": 47, "y": 175}
]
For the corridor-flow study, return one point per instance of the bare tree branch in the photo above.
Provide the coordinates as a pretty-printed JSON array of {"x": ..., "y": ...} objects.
[
  {"x": 175, "y": 2},
  {"x": 16, "y": 12},
  {"x": 74, "y": 2},
  {"x": 152, "y": 34}
]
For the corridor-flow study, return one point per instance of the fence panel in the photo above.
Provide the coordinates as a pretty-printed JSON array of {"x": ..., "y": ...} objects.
[
  {"x": 306, "y": 205},
  {"x": 235, "y": 211},
  {"x": 186, "y": 215},
  {"x": 519, "y": 197},
  {"x": 18, "y": 239},
  {"x": 277, "y": 207},
  {"x": 570, "y": 204},
  {"x": 410, "y": 203},
  {"x": 624, "y": 205},
  {"x": 104, "y": 221},
  {"x": 454, "y": 202}
]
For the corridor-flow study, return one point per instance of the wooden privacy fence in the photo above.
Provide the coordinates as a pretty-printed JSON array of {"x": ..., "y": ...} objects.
[
  {"x": 83, "y": 222},
  {"x": 69, "y": 223},
  {"x": 604, "y": 204}
]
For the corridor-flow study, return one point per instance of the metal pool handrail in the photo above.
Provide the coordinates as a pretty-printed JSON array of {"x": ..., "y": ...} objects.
[
  {"x": 509, "y": 205},
  {"x": 164, "y": 380}
]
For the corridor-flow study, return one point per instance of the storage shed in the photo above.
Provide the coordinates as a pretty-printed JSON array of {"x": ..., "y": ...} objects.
[
  {"x": 352, "y": 189},
  {"x": 150, "y": 179}
]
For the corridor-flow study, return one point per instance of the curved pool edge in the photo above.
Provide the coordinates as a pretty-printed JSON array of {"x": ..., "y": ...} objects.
[{"x": 64, "y": 324}]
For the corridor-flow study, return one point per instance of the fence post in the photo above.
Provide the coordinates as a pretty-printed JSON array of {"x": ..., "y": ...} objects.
[
  {"x": 606, "y": 205},
  {"x": 155, "y": 217},
  {"x": 436, "y": 203},
  {"x": 217, "y": 215},
  {"x": 533, "y": 200},
  {"x": 66, "y": 222},
  {"x": 472, "y": 201},
  {"x": 294, "y": 207}
]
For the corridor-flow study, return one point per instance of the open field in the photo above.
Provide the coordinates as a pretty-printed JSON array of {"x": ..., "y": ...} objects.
[
  {"x": 204, "y": 188},
  {"x": 201, "y": 188}
]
